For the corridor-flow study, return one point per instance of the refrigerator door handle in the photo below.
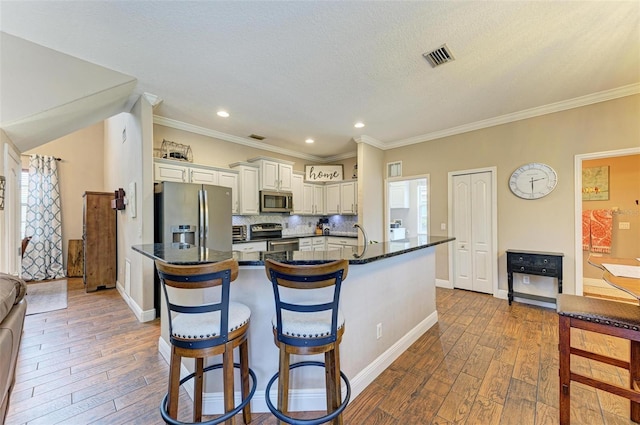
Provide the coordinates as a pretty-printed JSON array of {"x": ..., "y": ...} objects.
[
  {"x": 206, "y": 214},
  {"x": 201, "y": 216}
]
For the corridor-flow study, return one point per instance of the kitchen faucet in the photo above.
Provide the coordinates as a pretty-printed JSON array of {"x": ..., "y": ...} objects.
[{"x": 364, "y": 247}]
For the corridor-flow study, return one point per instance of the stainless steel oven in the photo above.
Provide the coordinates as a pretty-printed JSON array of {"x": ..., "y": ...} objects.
[
  {"x": 272, "y": 233},
  {"x": 276, "y": 201}
]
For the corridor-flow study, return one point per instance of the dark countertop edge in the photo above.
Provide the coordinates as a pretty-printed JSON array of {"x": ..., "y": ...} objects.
[
  {"x": 352, "y": 261},
  {"x": 289, "y": 237}
]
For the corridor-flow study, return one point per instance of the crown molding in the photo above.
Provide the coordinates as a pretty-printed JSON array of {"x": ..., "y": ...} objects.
[
  {"x": 180, "y": 125},
  {"x": 370, "y": 141},
  {"x": 577, "y": 102},
  {"x": 153, "y": 99}
]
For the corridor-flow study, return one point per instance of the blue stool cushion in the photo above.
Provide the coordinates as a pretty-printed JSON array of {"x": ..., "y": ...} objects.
[
  {"x": 207, "y": 325},
  {"x": 307, "y": 325}
]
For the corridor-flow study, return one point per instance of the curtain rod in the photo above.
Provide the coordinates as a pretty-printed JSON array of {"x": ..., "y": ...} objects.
[{"x": 57, "y": 159}]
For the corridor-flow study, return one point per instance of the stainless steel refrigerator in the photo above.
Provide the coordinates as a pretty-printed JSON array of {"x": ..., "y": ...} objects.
[{"x": 193, "y": 213}]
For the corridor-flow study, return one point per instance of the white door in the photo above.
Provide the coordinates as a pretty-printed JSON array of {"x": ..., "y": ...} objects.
[
  {"x": 12, "y": 218},
  {"x": 472, "y": 228}
]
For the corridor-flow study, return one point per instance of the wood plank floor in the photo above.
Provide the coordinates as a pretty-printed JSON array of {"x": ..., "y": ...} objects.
[{"x": 484, "y": 362}]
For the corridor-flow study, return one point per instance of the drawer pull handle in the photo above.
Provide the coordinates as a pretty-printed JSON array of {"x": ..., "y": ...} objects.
[{"x": 521, "y": 268}]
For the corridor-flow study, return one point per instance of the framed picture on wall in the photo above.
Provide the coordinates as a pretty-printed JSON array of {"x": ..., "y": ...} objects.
[{"x": 595, "y": 183}]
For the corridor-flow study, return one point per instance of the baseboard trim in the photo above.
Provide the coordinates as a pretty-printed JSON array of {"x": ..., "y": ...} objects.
[
  {"x": 141, "y": 315},
  {"x": 442, "y": 283},
  {"x": 313, "y": 399}
]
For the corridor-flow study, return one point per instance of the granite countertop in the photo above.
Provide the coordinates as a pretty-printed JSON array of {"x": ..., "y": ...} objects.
[
  {"x": 308, "y": 235},
  {"x": 187, "y": 254}
]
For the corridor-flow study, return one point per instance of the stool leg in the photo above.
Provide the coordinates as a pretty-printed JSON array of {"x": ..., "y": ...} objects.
[
  {"x": 332, "y": 378},
  {"x": 244, "y": 374},
  {"x": 174, "y": 384},
  {"x": 283, "y": 382},
  {"x": 227, "y": 366},
  {"x": 197, "y": 390},
  {"x": 564, "y": 331},
  {"x": 634, "y": 376}
]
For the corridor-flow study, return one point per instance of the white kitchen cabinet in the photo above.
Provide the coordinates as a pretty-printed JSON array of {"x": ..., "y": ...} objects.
[
  {"x": 318, "y": 199},
  {"x": 274, "y": 174},
  {"x": 308, "y": 202},
  {"x": 349, "y": 197},
  {"x": 248, "y": 195},
  {"x": 399, "y": 194},
  {"x": 170, "y": 172},
  {"x": 319, "y": 243},
  {"x": 305, "y": 244},
  {"x": 256, "y": 246},
  {"x": 297, "y": 188},
  {"x": 336, "y": 242},
  {"x": 230, "y": 179},
  {"x": 332, "y": 204},
  {"x": 203, "y": 175}
]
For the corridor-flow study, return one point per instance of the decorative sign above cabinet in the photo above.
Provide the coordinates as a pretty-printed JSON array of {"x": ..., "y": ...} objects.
[{"x": 323, "y": 173}]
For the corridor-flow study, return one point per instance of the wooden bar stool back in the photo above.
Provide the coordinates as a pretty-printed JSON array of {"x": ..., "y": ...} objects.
[
  {"x": 203, "y": 329},
  {"x": 304, "y": 328},
  {"x": 604, "y": 317}
]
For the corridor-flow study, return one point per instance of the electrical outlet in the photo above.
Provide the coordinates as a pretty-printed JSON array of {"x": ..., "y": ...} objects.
[
  {"x": 379, "y": 331},
  {"x": 624, "y": 225},
  {"x": 525, "y": 279},
  {"x": 443, "y": 226}
]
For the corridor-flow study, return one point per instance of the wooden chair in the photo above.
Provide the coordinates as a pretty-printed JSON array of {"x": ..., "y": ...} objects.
[
  {"x": 203, "y": 330},
  {"x": 305, "y": 328},
  {"x": 604, "y": 317}
]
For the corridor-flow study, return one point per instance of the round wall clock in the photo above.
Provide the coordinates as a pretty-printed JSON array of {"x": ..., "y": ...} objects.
[{"x": 533, "y": 180}]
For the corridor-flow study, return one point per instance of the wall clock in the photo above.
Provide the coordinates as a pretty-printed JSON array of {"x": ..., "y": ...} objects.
[{"x": 533, "y": 180}]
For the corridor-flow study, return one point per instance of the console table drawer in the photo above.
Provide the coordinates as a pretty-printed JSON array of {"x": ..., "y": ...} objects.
[{"x": 536, "y": 263}]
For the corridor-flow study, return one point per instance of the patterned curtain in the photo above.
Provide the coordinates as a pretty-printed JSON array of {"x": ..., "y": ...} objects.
[{"x": 43, "y": 256}]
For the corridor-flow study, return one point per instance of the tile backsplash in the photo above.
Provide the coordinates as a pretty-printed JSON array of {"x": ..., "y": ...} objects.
[{"x": 294, "y": 225}]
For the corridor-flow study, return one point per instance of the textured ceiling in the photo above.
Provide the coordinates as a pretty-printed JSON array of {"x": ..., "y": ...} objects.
[{"x": 293, "y": 70}]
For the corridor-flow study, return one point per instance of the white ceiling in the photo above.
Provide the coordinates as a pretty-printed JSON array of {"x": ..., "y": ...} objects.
[{"x": 293, "y": 70}]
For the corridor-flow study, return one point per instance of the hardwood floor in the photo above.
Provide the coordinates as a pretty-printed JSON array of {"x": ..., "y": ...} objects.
[{"x": 484, "y": 362}]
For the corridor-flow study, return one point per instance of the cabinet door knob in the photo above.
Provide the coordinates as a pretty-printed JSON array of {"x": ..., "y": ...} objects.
[
  {"x": 521, "y": 268},
  {"x": 520, "y": 259},
  {"x": 544, "y": 270},
  {"x": 546, "y": 261}
]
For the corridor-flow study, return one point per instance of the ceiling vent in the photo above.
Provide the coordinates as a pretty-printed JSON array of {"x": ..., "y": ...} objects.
[
  {"x": 439, "y": 56},
  {"x": 257, "y": 137}
]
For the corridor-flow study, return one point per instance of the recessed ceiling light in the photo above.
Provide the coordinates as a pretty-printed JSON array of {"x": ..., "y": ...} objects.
[
  {"x": 309, "y": 141},
  {"x": 223, "y": 114},
  {"x": 359, "y": 124}
]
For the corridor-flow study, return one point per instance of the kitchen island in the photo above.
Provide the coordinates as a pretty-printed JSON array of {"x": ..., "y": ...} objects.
[{"x": 388, "y": 300}]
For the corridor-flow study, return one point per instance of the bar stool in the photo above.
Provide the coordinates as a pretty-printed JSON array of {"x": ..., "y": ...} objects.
[
  {"x": 604, "y": 317},
  {"x": 200, "y": 330},
  {"x": 308, "y": 328}
]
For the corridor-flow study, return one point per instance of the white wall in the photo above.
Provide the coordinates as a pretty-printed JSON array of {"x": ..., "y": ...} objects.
[{"x": 130, "y": 162}]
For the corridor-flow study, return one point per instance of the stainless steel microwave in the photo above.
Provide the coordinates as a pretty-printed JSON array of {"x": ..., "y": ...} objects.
[{"x": 276, "y": 201}]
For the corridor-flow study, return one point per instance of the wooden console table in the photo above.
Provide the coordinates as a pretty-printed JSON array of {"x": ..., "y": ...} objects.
[{"x": 535, "y": 263}]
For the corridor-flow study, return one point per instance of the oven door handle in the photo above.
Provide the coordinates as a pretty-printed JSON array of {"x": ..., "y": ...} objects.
[{"x": 281, "y": 243}]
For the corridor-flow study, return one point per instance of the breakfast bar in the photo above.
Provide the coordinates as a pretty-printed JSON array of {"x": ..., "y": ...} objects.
[{"x": 388, "y": 300}]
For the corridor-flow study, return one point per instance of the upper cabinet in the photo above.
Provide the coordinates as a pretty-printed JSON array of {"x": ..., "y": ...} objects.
[
  {"x": 249, "y": 196},
  {"x": 274, "y": 174},
  {"x": 399, "y": 194},
  {"x": 308, "y": 198},
  {"x": 342, "y": 198},
  {"x": 297, "y": 187},
  {"x": 170, "y": 171}
]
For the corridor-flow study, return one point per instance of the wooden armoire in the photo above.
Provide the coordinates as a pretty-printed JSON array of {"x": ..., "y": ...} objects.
[{"x": 99, "y": 241}]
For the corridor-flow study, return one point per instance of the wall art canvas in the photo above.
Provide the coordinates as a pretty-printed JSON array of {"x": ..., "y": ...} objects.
[{"x": 595, "y": 183}]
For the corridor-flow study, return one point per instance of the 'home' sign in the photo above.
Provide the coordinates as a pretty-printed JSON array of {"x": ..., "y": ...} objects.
[{"x": 323, "y": 173}]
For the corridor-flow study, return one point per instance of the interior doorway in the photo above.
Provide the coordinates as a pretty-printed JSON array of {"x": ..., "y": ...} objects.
[
  {"x": 578, "y": 244},
  {"x": 407, "y": 212}
]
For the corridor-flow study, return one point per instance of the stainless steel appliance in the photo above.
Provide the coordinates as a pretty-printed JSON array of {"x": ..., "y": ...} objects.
[
  {"x": 272, "y": 233},
  {"x": 239, "y": 232},
  {"x": 276, "y": 201},
  {"x": 193, "y": 213}
]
